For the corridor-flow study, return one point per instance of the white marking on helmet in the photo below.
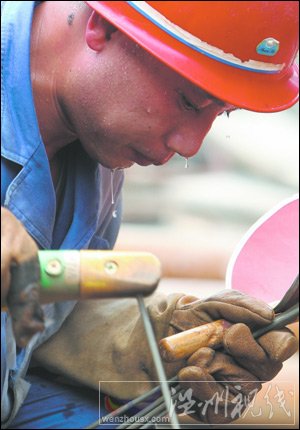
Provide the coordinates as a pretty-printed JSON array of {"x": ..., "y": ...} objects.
[{"x": 197, "y": 44}]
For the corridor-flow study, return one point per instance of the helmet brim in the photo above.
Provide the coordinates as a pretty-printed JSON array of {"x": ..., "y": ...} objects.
[{"x": 244, "y": 89}]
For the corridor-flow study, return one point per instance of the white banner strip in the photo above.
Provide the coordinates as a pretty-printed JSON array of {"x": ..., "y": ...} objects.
[{"x": 195, "y": 43}]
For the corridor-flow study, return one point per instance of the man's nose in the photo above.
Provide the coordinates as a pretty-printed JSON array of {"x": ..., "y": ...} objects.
[{"x": 186, "y": 139}]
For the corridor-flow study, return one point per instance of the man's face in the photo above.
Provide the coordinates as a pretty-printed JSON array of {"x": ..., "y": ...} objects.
[{"x": 130, "y": 108}]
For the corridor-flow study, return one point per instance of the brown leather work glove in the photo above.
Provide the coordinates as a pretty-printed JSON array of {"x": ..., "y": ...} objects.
[
  {"x": 215, "y": 380},
  {"x": 104, "y": 340}
]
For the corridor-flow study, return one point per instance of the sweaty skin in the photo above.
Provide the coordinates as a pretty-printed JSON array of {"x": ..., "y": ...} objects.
[{"x": 123, "y": 105}]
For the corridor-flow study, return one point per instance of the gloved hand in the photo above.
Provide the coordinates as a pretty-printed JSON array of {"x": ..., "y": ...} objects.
[
  {"x": 104, "y": 340},
  {"x": 18, "y": 247},
  {"x": 240, "y": 366}
]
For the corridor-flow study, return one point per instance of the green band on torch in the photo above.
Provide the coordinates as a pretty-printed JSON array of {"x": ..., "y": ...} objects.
[{"x": 60, "y": 273}]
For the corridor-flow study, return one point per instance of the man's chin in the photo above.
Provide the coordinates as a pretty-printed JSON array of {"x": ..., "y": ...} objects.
[{"x": 116, "y": 166}]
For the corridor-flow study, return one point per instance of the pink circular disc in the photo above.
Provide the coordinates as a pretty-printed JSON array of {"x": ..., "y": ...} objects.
[{"x": 266, "y": 261}]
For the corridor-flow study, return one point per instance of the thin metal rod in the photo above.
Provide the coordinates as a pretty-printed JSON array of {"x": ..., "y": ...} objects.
[
  {"x": 158, "y": 362},
  {"x": 149, "y": 424},
  {"x": 291, "y": 294},
  {"x": 124, "y": 408},
  {"x": 156, "y": 409},
  {"x": 157, "y": 402},
  {"x": 158, "y": 412},
  {"x": 280, "y": 321},
  {"x": 148, "y": 411}
]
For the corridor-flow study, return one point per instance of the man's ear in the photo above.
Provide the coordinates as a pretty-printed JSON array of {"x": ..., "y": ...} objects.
[{"x": 98, "y": 32}]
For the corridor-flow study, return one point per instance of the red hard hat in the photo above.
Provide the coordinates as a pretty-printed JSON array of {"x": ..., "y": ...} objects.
[{"x": 242, "y": 52}]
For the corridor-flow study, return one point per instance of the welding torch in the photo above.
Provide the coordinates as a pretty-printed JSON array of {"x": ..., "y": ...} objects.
[
  {"x": 55, "y": 276},
  {"x": 87, "y": 274}
]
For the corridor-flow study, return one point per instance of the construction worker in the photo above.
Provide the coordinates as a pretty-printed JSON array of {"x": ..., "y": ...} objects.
[{"x": 93, "y": 87}]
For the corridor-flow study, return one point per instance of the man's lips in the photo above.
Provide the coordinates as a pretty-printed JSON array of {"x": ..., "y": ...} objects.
[{"x": 144, "y": 160}]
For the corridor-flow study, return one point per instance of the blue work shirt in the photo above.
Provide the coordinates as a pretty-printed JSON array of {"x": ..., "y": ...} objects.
[{"x": 83, "y": 220}]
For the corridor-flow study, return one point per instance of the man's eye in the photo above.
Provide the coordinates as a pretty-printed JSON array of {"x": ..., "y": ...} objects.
[{"x": 187, "y": 104}]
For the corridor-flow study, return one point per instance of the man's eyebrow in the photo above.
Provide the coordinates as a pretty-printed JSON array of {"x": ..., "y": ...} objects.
[{"x": 209, "y": 96}]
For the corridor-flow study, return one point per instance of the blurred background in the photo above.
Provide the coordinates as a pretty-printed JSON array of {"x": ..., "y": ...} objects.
[{"x": 192, "y": 218}]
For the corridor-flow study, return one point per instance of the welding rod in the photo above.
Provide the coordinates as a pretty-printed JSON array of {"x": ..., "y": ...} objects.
[
  {"x": 129, "y": 405},
  {"x": 149, "y": 411},
  {"x": 184, "y": 344},
  {"x": 158, "y": 362},
  {"x": 59, "y": 275},
  {"x": 153, "y": 413},
  {"x": 280, "y": 321}
]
